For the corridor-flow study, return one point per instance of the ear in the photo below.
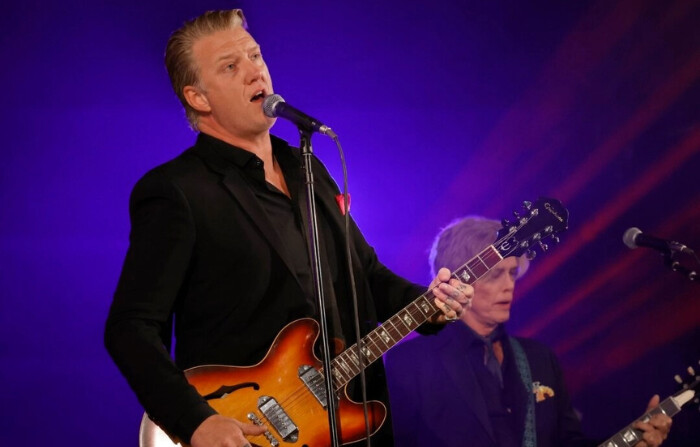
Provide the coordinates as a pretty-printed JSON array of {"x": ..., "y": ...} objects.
[{"x": 196, "y": 99}]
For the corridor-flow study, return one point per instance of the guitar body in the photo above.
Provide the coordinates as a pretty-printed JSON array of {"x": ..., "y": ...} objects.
[{"x": 235, "y": 392}]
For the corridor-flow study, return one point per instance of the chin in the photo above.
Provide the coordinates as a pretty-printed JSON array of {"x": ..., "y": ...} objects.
[{"x": 503, "y": 317}]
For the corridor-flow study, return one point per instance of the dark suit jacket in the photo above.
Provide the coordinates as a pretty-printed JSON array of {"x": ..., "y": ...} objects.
[
  {"x": 436, "y": 399},
  {"x": 202, "y": 246}
]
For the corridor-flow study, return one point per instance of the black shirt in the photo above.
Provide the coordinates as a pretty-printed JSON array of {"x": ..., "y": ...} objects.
[{"x": 498, "y": 398}]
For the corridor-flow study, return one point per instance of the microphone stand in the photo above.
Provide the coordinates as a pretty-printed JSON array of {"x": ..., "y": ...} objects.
[
  {"x": 671, "y": 261},
  {"x": 306, "y": 152}
]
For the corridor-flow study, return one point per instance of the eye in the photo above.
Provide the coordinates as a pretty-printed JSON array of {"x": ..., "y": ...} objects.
[{"x": 230, "y": 67}]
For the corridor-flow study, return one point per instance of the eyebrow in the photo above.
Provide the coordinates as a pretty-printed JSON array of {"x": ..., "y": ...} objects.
[
  {"x": 225, "y": 56},
  {"x": 232, "y": 55}
]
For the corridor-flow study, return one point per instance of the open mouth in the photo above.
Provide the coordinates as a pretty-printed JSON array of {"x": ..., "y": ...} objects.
[{"x": 258, "y": 96}]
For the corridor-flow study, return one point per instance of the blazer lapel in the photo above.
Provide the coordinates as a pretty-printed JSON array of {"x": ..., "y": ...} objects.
[
  {"x": 462, "y": 374},
  {"x": 234, "y": 182},
  {"x": 520, "y": 394}
]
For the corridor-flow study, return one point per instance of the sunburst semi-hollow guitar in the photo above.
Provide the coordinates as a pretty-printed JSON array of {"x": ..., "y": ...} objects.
[{"x": 286, "y": 390}]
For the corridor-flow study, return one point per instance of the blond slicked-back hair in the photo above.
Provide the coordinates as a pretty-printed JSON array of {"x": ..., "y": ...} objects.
[
  {"x": 182, "y": 69},
  {"x": 463, "y": 239}
]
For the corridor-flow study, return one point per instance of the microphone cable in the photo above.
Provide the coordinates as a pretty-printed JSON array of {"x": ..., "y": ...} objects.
[{"x": 353, "y": 288}]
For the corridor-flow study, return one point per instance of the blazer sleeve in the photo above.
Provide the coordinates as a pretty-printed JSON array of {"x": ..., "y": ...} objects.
[{"x": 138, "y": 326}]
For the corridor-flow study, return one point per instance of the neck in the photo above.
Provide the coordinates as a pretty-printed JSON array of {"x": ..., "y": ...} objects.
[{"x": 480, "y": 328}]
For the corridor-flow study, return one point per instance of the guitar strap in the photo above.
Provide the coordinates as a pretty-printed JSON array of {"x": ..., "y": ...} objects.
[{"x": 529, "y": 435}]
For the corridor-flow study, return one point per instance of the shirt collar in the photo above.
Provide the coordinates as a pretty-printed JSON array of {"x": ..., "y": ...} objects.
[
  {"x": 472, "y": 338},
  {"x": 241, "y": 157}
]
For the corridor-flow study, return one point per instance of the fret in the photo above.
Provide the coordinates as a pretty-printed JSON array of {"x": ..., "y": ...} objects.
[
  {"x": 466, "y": 275},
  {"x": 352, "y": 362},
  {"x": 396, "y": 330},
  {"x": 668, "y": 407},
  {"x": 477, "y": 266},
  {"x": 367, "y": 353},
  {"x": 407, "y": 319},
  {"x": 629, "y": 436},
  {"x": 352, "y": 352},
  {"x": 403, "y": 324},
  {"x": 337, "y": 375},
  {"x": 384, "y": 335},
  {"x": 492, "y": 257},
  {"x": 479, "y": 259},
  {"x": 343, "y": 364},
  {"x": 426, "y": 307},
  {"x": 372, "y": 346},
  {"x": 377, "y": 337}
]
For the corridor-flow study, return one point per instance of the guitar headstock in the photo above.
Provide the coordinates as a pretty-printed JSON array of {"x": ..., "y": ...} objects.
[
  {"x": 532, "y": 227},
  {"x": 689, "y": 387}
]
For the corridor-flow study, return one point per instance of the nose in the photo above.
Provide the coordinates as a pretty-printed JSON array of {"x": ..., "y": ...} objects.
[
  {"x": 509, "y": 282},
  {"x": 254, "y": 72}
]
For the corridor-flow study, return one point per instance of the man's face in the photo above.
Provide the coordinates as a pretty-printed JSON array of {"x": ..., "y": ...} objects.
[
  {"x": 233, "y": 81},
  {"x": 493, "y": 295}
]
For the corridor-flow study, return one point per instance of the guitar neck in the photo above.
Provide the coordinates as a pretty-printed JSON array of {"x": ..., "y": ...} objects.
[
  {"x": 629, "y": 436},
  {"x": 350, "y": 362}
]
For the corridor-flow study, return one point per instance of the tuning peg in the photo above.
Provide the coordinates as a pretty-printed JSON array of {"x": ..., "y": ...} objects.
[
  {"x": 527, "y": 204},
  {"x": 544, "y": 246},
  {"x": 536, "y": 237},
  {"x": 555, "y": 239},
  {"x": 530, "y": 254},
  {"x": 548, "y": 229},
  {"x": 505, "y": 223}
]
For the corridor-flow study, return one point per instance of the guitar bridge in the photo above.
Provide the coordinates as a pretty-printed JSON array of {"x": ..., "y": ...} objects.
[
  {"x": 271, "y": 439},
  {"x": 278, "y": 418}
]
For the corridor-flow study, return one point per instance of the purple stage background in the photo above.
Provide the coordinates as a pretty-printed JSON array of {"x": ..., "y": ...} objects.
[{"x": 443, "y": 108}]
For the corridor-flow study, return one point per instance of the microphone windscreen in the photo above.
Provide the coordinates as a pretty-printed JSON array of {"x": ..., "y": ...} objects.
[
  {"x": 270, "y": 103},
  {"x": 630, "y": 236}
]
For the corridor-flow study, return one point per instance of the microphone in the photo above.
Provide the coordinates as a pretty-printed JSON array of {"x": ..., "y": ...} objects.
[
  {"x": 274, "y": 106},
  {"x": 634, "y": 238}
]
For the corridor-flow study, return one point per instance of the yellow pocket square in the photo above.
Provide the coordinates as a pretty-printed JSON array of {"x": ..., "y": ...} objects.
[{"x": 541, "y": 392}]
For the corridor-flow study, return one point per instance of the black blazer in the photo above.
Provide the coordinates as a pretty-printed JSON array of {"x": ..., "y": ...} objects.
[
  {"x": 439, "y": 402},
  {"x": 203, "y": 248}
]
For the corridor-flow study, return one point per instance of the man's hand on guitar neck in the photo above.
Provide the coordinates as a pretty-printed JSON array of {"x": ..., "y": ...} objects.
[
  {"x": 451, "y": 296},
  {"x": 656, "y": 430},
  {"x": 222, "y": 431}
]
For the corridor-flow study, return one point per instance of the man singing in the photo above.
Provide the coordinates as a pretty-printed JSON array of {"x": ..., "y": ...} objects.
[{"x": 218, "y": 245}]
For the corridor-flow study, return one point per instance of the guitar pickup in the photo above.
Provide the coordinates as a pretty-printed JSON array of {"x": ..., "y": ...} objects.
[{"x": 315, "y": 383}]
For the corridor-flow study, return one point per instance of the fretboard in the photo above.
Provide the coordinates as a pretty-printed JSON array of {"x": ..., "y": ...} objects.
[
  {"x": 347, "y": 365},
  {"x": 629, "y": 436}
]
